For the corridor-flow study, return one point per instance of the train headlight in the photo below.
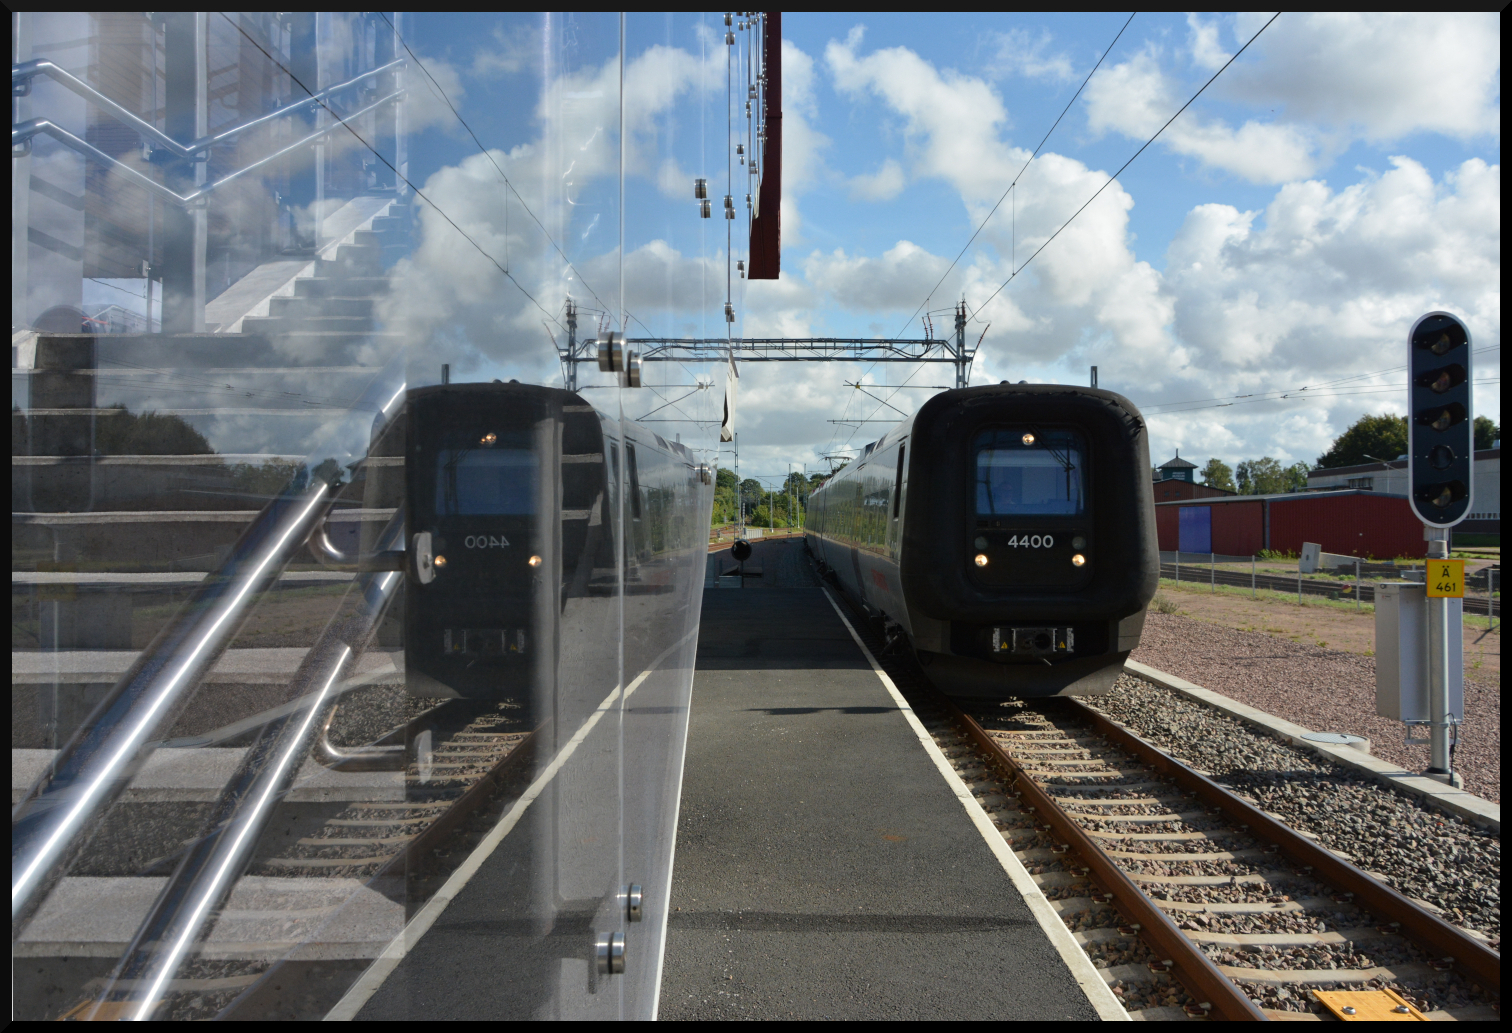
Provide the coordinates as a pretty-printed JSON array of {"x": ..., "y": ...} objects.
[
  {"x": 489, "y": 438},
  {"x": 439, "y": 561},
  {"x": 534, "y": 561},
  {"x": 1028, "y": 438},
  {"x": 1078, "y": 560},
  {"x": 981, "y": 559}
]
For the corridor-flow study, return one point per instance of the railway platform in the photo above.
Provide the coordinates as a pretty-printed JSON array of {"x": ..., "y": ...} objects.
[{"x": 824, "y": 867}]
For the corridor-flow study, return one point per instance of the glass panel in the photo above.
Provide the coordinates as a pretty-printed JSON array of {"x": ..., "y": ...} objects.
[
  {"x": 339, "y": 624},
  {"x": 1029, "y": 472}
]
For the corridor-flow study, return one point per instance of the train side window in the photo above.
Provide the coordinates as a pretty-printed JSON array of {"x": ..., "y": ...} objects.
[
  {"x": 898, "y": 480},
  {"x": 635, "y": 507}
]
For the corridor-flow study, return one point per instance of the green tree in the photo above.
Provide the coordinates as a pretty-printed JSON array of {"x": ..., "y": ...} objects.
[
  {"x": 1369, "y": 438},
  {"x": 1295, "y": 476},
  {"x": 752, "y": 494},
  {"x": 1217, "y": 474},
  {"x": 1487, "y": 433},
  {"x": 1263, "y": 476},
  {"x": 724, "y": 477}
]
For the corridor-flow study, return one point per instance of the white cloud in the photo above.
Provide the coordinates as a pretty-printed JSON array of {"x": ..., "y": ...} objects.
[
  {"x": 1207, "y": 52},
  {"x": 1136, "y": 97},
  {"x": 950, "y": 121},
  {"x": 883, "y": 185},
  {"x": 1020, "y": 53},
  {"x": 1322, "y": 81},
  {"x": 1379, "y": 76}
]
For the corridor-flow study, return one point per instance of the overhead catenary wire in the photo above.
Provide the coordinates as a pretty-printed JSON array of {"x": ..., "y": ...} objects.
[
  {"x": 976, "y": 313},
  {"x": 1113, "y": 178},
  {"x": 1218, "y": 401},
  {"x": 988, "y": 218},
  {"x": 392, "y": 168},
  {"x": 1010, "y": 190}
]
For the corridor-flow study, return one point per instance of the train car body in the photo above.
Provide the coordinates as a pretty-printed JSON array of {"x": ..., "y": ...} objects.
[
  {"x": 1007, "y": 531},
  {"x": 515, "y": 496}
]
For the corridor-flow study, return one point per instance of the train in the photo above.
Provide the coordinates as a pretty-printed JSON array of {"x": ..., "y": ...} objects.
[
  {"x": 514, "y": 504},
  {"x": 1005, "y": 533}
]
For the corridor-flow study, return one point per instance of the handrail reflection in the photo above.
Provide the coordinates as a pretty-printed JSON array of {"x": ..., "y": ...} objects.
[
  {"x": 22, "y": 74},
  {"x": 22, "y": 132}
]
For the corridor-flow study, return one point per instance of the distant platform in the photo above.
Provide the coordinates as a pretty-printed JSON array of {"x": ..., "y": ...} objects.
[{"x": 824, "y": 869}]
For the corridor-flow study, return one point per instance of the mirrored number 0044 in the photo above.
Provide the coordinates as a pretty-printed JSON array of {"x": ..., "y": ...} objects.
[{"x": 1036, "y": 541}]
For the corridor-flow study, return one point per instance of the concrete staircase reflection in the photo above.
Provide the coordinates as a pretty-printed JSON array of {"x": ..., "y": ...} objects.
[{"x": 102, "y": 548}]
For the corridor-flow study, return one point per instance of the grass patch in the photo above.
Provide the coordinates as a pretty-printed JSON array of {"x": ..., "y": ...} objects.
[{"x": 1477, "y": 621}]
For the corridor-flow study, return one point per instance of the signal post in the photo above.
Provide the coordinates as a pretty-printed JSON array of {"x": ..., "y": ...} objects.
[{"x": 1440, "y": 461}]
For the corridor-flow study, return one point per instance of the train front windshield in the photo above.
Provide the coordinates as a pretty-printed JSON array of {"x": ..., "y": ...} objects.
[
  {"x": 487, "y": 479},
  {"x": 1029, "y": 472}
]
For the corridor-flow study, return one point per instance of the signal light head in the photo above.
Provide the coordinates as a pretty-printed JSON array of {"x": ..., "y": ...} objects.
[
  {"x": 1439, "y": 334},
  {"x": 1028, "y": 438},
  {"x": 439, "y": 561},
  {"x": 1078, "y": 560},
  {"x": 489, "y": 438},
  {"x": 1442, "y": 419},
  {"x": 534, "y": 561},
  {"x": 981, "y": 559},
  {"x": 1440, "y": 380}
]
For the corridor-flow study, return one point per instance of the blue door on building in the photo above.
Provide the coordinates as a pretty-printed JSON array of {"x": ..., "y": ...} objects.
[{"x": 1196, "y": 529}]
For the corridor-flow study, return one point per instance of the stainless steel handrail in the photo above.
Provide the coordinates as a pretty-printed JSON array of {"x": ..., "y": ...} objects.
[
  {"x": 24, "y": 131},
  {"x": 56, "y": 818},
  {"x": 27, "y": 70},
  {"x": 58, "y": 815},
  {"x": 186, "y": 908}
]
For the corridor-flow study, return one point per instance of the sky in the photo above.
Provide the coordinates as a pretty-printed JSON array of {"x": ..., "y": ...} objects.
[{"x": 1248, "y": 281}]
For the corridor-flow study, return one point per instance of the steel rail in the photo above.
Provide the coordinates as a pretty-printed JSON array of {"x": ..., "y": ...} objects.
[
  {"x": 1195, "y": 970},
  {"x": 1471, "y": 957},
  {"x": 192, "y": 899},
  {"x": 282, "y": 983}
]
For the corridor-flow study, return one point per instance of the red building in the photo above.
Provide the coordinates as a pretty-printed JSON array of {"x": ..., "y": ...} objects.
[{"x": 1351, "y": 523}]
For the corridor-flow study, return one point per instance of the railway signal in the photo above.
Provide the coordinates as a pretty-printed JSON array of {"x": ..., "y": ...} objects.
[
  {"x": 1441, "y": 425},
  {"x": 1440, "y": 459}
]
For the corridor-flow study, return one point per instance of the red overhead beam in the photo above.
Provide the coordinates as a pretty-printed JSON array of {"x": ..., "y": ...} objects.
[{"x": 766, "y": 228}]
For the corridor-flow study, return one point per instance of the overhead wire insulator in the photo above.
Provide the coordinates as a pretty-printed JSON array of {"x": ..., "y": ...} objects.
[
  {"x": 705, "y": 208},
  {"x": 700, "y": 189},
  {"x": 729, "y": 313}
]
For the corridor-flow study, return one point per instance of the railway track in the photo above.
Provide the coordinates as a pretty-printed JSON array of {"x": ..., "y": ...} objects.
[
  {"x": 1196, "y": 902},
  {"x": 463, "y": 758},
  {"x": 1192, "y": 901},
  {"x": 1198, "y": 574}
]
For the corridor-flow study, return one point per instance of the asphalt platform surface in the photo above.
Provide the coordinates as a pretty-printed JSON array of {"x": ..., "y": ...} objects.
[{"x": 824, "y": 869}]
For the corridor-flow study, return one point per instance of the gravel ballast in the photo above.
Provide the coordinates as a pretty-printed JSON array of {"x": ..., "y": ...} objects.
[
  {"x": 1325, "y": 690},
  {"x": 1448, "y": 863}
]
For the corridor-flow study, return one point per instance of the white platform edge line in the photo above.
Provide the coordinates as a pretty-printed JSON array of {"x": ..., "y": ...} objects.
[
  {"x": 384, "y": 965},
  {"x": 666, "y": 894},
  {"x": 1091, "y": 981},
  {"x": 1458, "y": 802}
]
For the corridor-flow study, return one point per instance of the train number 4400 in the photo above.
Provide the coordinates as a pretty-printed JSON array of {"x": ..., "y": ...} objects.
[{"x": 1031, "y": 541}]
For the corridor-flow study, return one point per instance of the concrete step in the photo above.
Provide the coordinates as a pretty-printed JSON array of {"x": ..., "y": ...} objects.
[
  {"x": 53, "y": 692},
  {"x": 302, "y": 323},
  {"x": 199, "y": 775},
  {"x": 327, "y": 919},
  {"x": 347, "y": 287},
  {"x": 290, "y": 308}
]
